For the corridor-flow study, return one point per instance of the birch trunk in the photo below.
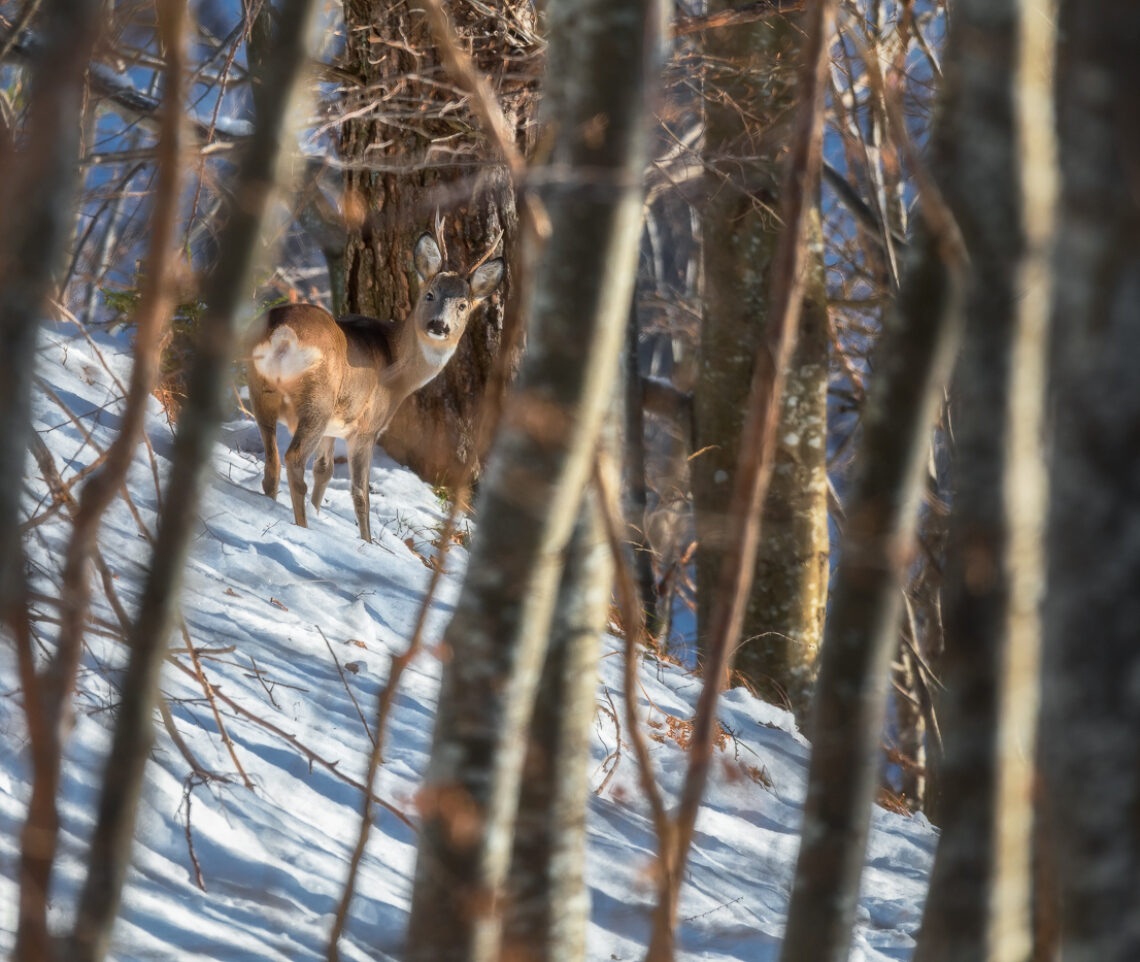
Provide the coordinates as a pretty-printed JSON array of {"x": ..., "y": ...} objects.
[
  {"x": 1000, "y": 175},
  {"x": 548, "y": 905},
  {"x": 913, "y": 359},
  {"x": 1092, "y": 660},
  {"x": 539, "y": 468}
]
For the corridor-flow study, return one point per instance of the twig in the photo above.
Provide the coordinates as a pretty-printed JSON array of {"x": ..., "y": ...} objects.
[
  {"x": 634, "y": 617},
  {"x": 257, "y": 673},
  {"x": 196, "y": 767},
  {"x": 384, "y": 704},
  {"x": 344, "y": 681},
  {"x": 187, "y": 790},
  {"x": 746, "y": 13},
  {"x": 19, "y": 27},
  {"x": 65, "y": 499},
  {"x": 715, "y": 908},
  {"x": 151, "y": 457},
  {"x": 463, "y": 71},
  {"x": 102, "y": 454},
  {"x": 932, "y": 204},
  {"x": 616, "y": 753},
  {"x": 486, "y": 107},
  {"x": 311, "y": 755},
  {"x": 208, "y": 689}
]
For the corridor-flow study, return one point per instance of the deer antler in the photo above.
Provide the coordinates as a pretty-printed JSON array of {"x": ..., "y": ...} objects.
[
  {"x": 439, "y": 238},
  {"x": 487, "y": 255}
]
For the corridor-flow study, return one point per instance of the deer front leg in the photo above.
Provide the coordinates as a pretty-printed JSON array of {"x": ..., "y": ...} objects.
[
  {"x": 360, "y": 467},
  {"x": 308, "y": 435},
  {"x": 322, "y": 470}
]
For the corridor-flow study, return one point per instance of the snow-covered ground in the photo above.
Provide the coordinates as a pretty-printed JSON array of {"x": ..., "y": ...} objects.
[{"x": 259, "y": 592}]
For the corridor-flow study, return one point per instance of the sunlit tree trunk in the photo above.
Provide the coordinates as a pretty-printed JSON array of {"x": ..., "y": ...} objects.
[
  {"x": 530, "y": 498},
  {"x": 750, "y": 95},
  {"x": 407, "y": 160},
  {"x": 547, "y": 902},
  {"x": 912, "y": 361},
  {"x": 1092, "y": 608},
  {"x": 999, "y": 159}
]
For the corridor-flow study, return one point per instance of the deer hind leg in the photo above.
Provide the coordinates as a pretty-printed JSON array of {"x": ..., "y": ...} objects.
[
  {"x": 360, "y": 467},
  {"x": 266, "y": 407},
  {"x": 310, "y": 430},
  {"x": 322, "y": 470}
]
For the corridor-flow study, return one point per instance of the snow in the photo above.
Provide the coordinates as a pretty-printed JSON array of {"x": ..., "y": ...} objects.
[{"x": 259, "y": 592}]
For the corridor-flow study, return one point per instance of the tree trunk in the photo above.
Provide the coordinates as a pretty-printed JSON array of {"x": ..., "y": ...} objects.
[
  {"x": 1092, "y": 608},
  {"x": 1000, "y": 173},
  {"x": 637, "y": 492},
  {"x": 539, "y": 468},
  {"x": 36, "y": 219},
  {"x": 911, "y": 724},
  {"x": 548, "y": 906},
  {"x": 407, "y": 160},
  {"x": 914, "y": 355},
  {"x": 754, "y": 75}
]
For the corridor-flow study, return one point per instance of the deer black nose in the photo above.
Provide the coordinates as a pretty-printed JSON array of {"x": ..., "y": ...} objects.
[{"x": 437, "y": 328}]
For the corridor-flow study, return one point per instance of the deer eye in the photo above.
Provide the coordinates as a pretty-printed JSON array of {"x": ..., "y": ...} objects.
[
  {"x": 429, "y": 296},
  {"x": 462, "y": 306}
]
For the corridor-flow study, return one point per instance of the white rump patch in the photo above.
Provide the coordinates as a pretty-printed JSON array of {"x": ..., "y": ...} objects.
[{"x": 283, "y": 357}]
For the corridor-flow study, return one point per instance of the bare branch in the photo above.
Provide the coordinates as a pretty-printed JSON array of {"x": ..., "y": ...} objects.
[
  {"x": 197, "y": 428},
  {"x": 736, "y": 17}
]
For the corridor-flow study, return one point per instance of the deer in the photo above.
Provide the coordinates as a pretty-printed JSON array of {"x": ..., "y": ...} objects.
[{"x": 329, "y": 378}]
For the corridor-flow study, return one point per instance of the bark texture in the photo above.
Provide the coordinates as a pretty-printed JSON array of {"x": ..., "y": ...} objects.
[
  {"x": 750, "y": 99},
  {"x": 36, "y": 219},
  {"x": 913, "y": 359},
  {"x": 1092, "y": 608},
  {"x": 548, "y": 905},
  {"x": 539, "y": 468},
  {"x": 756, "y": 460},
  {"x": 408, "y": 159},
  {"x": 637, "y": 489},
  {"x": 1000, "y": 175}
]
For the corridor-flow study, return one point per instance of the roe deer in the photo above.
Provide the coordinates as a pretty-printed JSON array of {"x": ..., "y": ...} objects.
[{"x": 345, "y": 378}]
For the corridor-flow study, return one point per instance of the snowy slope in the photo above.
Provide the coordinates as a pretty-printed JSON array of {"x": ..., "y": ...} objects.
[{"x": 273, "y": 858}]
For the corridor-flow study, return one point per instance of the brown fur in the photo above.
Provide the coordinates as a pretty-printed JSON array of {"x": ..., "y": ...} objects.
[{"x": 365, "y": 369}]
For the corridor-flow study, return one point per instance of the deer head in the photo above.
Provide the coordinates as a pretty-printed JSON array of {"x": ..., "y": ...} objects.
[
  {"x": 346, "y": 378},
  {"x": 447, "y": 299}
]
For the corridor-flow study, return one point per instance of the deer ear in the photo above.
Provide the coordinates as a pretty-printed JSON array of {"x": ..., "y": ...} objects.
[
  {"x": 486, "y": 278},
  {"x": 427, "y": 258}
]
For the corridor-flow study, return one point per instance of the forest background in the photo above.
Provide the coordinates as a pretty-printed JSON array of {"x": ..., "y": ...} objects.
[{"x": 874, "y": 266}]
